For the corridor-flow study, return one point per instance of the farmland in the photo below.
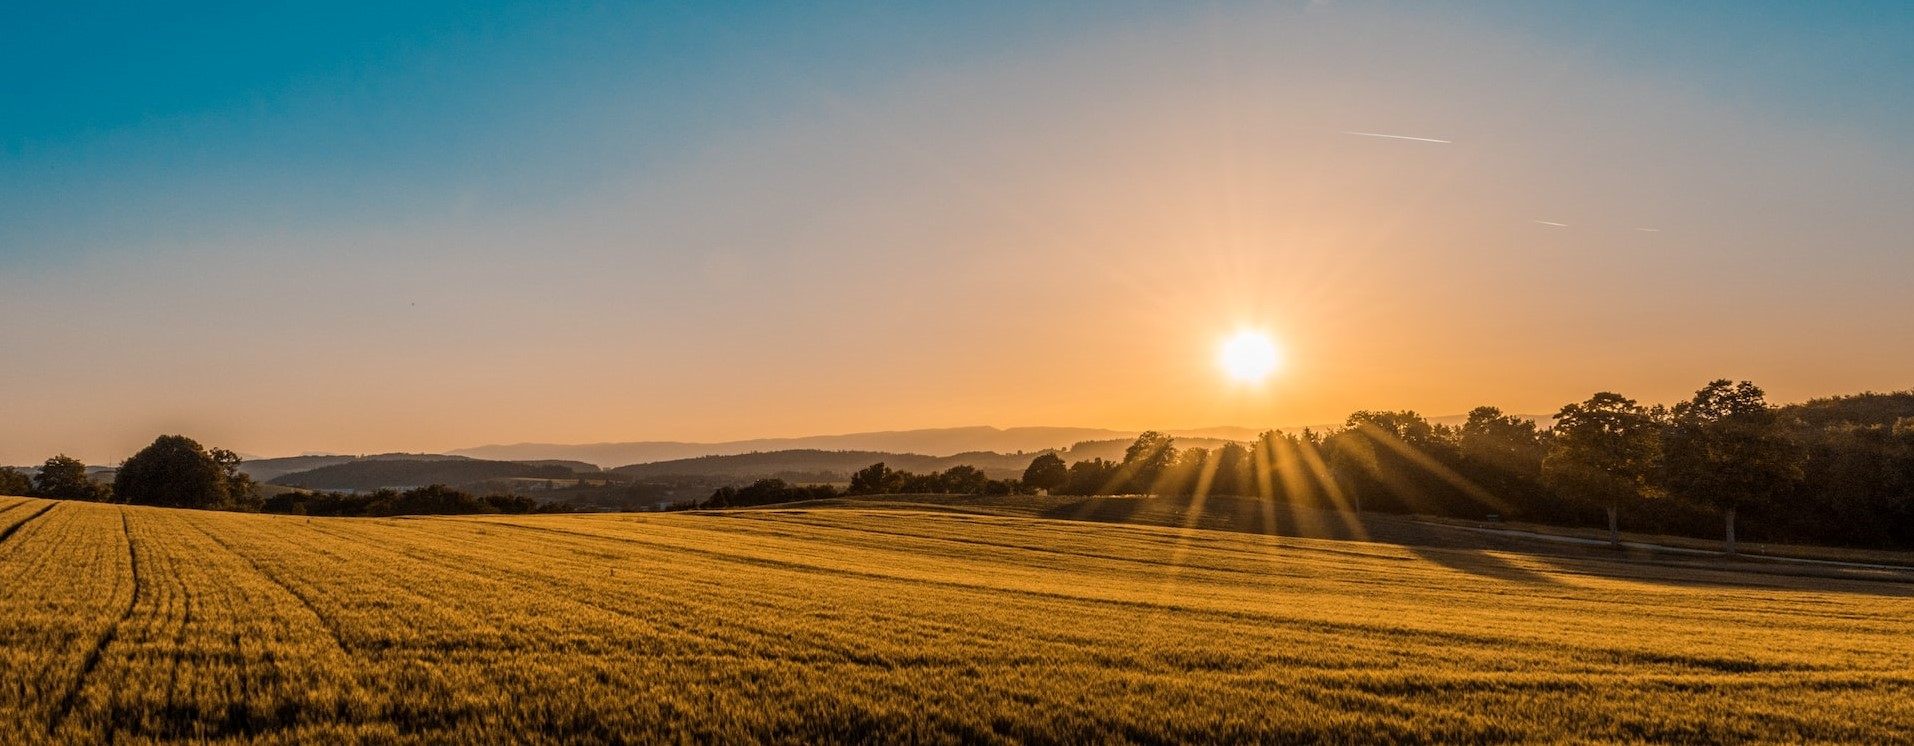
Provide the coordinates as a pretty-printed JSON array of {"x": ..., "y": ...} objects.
[{"x": 876, "y": 625}]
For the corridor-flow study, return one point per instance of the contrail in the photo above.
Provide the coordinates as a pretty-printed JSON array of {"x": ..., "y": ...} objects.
[
  {"x": 1396, "y": 137},
  {"x": 1552, "y": 223},
  {"x": 1649, "y": 230}
]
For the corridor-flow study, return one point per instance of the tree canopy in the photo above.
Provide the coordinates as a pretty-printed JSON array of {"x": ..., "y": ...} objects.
[
  {"x": 1604, "y": 452},
  {"x": 1725, "y": 448},
  {"x": 12, "y": 482},
  {"x": 176, "y": 471},
  {"x": 1046, "y": 472},
  {"x": 64, "y": 478}
]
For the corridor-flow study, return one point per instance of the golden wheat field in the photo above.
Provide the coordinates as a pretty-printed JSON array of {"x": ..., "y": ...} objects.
[{"x": 133, "y": 625}]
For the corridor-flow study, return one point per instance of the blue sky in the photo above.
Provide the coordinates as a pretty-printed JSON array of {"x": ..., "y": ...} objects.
[
  {"x": 426, "y": 226},
  {"x": 138, "y": 121},
  {"x": 131, "y": 121}
]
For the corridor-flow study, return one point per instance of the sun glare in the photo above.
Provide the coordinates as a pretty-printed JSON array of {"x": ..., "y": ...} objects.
[{"x": 1249, "y": 356}]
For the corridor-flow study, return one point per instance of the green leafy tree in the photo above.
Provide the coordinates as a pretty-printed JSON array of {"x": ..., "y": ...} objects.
[
  {"x": 1147, "y": 460},
  {"x": 1726, "y": 448},
  {"x": 64, "y": 478},
  {"x": 1093, "y": 477},
  {"x": 1232, "y": 474},
  {"x": 1502, "y": 454},
  {"x": 1405, "y": 427},
  {"x": 176, "y": 471},
  {"x": 1503, "y": 442},
  {"x": 1603, "y": 453},
  {"x": 1186, "y": 476},
  {"x": 14, "y": 483},
  {"x": 1389, "y": 455},
  {"x": 1353, "y": 464},
  {"x": 239, "y": 485},
  {"x": 876, "y": 479},
  {"x": 1046, "y": 472},
  {"x": 963, "y": 479},
  {"x": 1288, "y": 466}
]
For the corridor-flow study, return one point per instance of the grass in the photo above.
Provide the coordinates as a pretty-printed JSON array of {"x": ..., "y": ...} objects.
[{"x": 880, "y": 625}]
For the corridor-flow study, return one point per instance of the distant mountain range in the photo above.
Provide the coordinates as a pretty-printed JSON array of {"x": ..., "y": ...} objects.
[
  {"x": 372, "y": 473},
  {"x": 811, "y": 465},
  {"x": 1000, "y": 453},
  {"x": 928, "y": 442},
  {"x": 990, "y": 448},
  {"x": 268, "y": 469}
]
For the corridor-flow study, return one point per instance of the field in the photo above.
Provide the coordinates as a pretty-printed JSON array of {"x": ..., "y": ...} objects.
[{"x": 869, "y": 624}]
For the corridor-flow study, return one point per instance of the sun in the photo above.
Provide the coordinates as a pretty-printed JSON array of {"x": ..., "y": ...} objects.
[{"x": 1249, "y": 356}]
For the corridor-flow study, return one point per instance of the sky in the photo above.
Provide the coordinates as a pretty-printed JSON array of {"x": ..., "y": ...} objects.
[{"x": 369, "y": 227}]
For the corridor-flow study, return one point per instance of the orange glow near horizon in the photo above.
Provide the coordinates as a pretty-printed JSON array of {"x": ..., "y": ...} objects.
[{"x": 1052, "y": 237}]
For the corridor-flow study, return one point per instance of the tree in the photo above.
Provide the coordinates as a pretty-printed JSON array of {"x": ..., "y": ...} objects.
[
  {"x": 14, "y": 483},
  {"x": 176, "y": 471},
  {"x": 876, "y": 479},
  {"x": 963, "y": 479},
  {"x": 1232, "y": 475},
  {"x": 1503, "y": 442},
  {"x": 1186, "y": 476},
  {"x": 1603, "y": 453},
  {"x": 1726, "y": 448},
  {"x": 917, "y": 484},
  {"x": 1093, "y": 477},
  {"x": 64, "y": 478},
  {"x": 1503, "y": 454},
  {"x": 1289, "y": 466},
  {"x": 1046, "y": 472},
  {"x": 1395, "y": 455},
  {"x": 1353, "y": 464},
  {"x": 239, "y": 484},
  {"x": 1146, "y": 460}
]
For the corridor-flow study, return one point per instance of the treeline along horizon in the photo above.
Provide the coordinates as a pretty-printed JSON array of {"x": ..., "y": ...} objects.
[
  {"x": 1838, "y": 471},
  {"x": 1830, "y": 471}
]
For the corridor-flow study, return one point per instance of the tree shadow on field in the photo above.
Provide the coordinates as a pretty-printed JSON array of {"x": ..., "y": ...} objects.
[
  {"x": 1720, "y": 573},
  {"x": 1225, "y": 513},
  {"x": 1480, "y": 563},
  {"x": 1098, "y": 509}
]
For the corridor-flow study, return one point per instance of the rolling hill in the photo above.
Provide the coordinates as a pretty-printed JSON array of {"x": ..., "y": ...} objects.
[
  {"x": 370, "y": 474},
  {"x": 822, "y": 466},
  {"x": 940, "y": 442},
  {"x": 931, "y": 442}
]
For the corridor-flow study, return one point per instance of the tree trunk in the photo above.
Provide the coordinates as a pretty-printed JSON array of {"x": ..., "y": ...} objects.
[
  {"x": 1614, "y": 533},
  {"x": 1730, "y": 544}
]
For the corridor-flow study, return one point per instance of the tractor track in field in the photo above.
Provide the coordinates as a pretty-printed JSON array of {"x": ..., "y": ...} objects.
[
  {"x": 72, "y": 697},
  {"x": 331, "y": 626},
  {"x": 8, "y": 532}
]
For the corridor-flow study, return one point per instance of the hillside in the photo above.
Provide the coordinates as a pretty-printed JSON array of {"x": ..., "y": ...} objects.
[
  {"x": 823, "y": 466},
  {"x": 936, "y": 442},
  {"x": 268, "y": 469},
  {"x": 370, "y": 474},
  {"x": 796, "y": 625},
  {"x": 933, "y": 442},
  {"x": 1858, "y": 409}
]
